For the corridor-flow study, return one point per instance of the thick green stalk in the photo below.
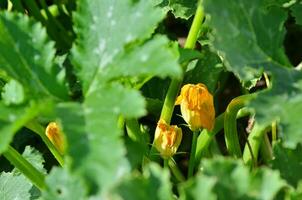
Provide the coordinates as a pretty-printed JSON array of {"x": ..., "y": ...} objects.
[
  {"x": 205, "y": 137},
  {"x": 255, "y": 139},
  {"x": 36, "y": 177},
  {"x": 175, "y": 84},
  {"x": 266, "y": 149},
  {"x": 40, "y": 130},
  {"x": 192, "y": 154},
  {"x": 230, "y": 124}
]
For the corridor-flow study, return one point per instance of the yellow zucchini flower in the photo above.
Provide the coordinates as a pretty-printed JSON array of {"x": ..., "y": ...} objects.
[
  {"x": 55, "y": 135},
  {"x": 167, "y": 138},
  {"x": 197, "y": 107}
]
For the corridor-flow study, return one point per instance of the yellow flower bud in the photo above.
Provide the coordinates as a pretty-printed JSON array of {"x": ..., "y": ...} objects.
[
  {"x": 197, "y": 107},
  {"x": 167, "y": 138},
  {"x": 55, "y": 135}
]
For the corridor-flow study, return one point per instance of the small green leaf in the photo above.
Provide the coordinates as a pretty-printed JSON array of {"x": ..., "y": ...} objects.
[
  {"x": 35, "y": 158},
  {"x": 15, "y": 187},
  {"x": 13, "y": 93},
  {"x": 183, "y": 8},
  {"x": 27, "y": 55},
  {"x": 153, "y": 185}
]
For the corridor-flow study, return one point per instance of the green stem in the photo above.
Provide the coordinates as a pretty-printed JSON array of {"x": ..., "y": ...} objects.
[
  {"x": 36, "y": 177},
  {"x": 175, "y": 84},
  {"x": 192, "y": 154},
  {"x": 274, "y": 131},
  {"x": 195, "y": 27},
  {"x": 40, "y": 130},
  {"x": 230, "y": 124},
  {"x": 168, "y": 107},
  {"x": 175, "y": 171},
  {"x": 266, "y": 149},
  {"x": 166, "y": 163},
  {"x": 205, "y": 137}
]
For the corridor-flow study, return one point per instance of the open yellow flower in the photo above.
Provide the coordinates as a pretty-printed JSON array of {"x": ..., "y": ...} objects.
[
  {"x": 197, "y": 107},
  {"x": 167, "y": 138},
  {"x": 55, "y": 135}
]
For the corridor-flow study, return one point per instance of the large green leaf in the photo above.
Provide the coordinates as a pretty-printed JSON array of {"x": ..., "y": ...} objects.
[
  {"x": 27, "y": 55},
  {"x": 153, "y": 185},
  {"x": 61, "y": 185},
  {"x": 288, "y": 162},
  {"x": 12, "y": 119},
  {"x": 251, "y": 39},
  {"x": 235, "y": 179},
  {"x": 283, "y": 102},
  {"x": 103, "y": 31},
  {"x": 93, "y": 135}
]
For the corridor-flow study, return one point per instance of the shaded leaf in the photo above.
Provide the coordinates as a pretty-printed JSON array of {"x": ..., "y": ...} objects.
[
  {"x": 252, "y": 38},
  {"x": 207, "y": 71},
  {"x": 289, "y": 163},
  {"x": 297, "y": 12}
]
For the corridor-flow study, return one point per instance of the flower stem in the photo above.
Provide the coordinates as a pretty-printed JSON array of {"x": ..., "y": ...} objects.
[
  {"x": 166, "y": 163},
  {"x": 192, "y": 154},
  {"x": 175, "y": 84},
  {"x": 36, "y": 177},
  {"x": 175, "y": 171},
  {"x": 255, "y": 139},
  {"x": 40, "y": 130}
]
